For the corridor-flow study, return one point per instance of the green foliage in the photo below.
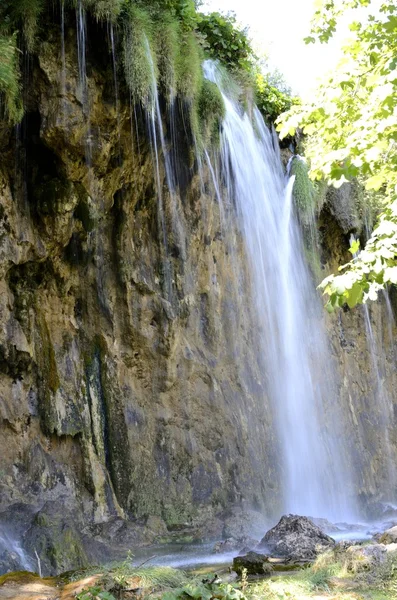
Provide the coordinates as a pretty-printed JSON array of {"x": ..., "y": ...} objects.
[
  {"x": 210, "y": 111},
  {"x": 168, "y": 51},
  {"x": 352, "y": 129},
  {"x": 105, "y": 10},
  {"x": 304, "y": 191},
  {"x": 271, "y": 101},
  {"x": 182, "y": 10},
  {"x": 10, "y": 79},
  {"x": 95, "y": 593},
  {"x": 22, "y": 15},
  {"x": 161, "y": 39},
  {"x": 207, "y": 590},
  {"x": 373, "y": 269},
  {"x": 223, "y": 40},
  {"x": 188, "y": 67},
  {"x": 138, "y": 68}
]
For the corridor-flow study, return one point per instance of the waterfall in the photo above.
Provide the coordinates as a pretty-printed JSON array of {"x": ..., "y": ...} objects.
[
  {"x": 294, "y": 346},
  {"x": 13, "y": 549}
]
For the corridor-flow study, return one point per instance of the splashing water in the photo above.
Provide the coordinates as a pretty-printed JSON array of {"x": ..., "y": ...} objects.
[
  {"x": 294, "y": 347},
  {"x": 13, "y": 548}
]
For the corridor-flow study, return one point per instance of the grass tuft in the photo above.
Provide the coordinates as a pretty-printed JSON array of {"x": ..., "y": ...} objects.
[{"x": 10, "y": 99}]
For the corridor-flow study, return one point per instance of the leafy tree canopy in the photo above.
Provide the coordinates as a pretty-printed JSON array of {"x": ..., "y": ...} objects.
[{"x": 352, "y": 133}]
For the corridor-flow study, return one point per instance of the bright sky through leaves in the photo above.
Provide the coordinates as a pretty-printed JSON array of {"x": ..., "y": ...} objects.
[{"x": 278, "y": 28}]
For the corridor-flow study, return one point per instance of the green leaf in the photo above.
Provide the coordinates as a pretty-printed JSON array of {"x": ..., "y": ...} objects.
[
  {"x": 355, "y": 295},
  {"x": 354, "y": 248}
]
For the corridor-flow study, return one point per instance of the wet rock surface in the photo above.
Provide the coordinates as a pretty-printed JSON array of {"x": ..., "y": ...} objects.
[
  {"x": 130, "y": 411},
  {"x": 296, "y": 538},
  {"x": 254, "y": 564}
]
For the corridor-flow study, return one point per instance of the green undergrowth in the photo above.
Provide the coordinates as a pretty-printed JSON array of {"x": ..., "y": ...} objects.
[
  {"x": 10, "y": 100},
  {"x": 305, "y": 193},
  {"x": 163, "y": 583},
  {"x": 336, "y": 575}
]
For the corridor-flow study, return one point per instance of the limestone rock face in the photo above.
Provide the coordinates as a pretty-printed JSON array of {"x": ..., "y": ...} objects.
[
  {"x": 297, "y": 538},
  {"x": 133, "y": 398},
  {"x": 363, "y": 344},
  {"x": 130, "y": 409}
]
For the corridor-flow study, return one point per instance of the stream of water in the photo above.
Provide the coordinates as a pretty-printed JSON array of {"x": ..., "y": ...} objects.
[{"x": 299, "y": 382}]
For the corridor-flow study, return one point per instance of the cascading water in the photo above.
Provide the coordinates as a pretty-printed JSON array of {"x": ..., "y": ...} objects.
[
  {"x": 13, "y": 547},
  {"x": 382, "y": 403},
  {"x": 293, "y": 344},
  {"x": 157, "y": 143}
]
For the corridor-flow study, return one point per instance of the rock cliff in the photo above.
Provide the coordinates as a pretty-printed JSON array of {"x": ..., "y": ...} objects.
[{"x": 132, "y": 396}]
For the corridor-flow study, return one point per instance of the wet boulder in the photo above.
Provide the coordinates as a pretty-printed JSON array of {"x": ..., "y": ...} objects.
[
  {"x": 297, "y": 538},
  {"x": 254, "y": 563}
]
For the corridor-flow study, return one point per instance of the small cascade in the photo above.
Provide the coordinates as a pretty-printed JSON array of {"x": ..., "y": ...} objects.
[
  {"x": 12, "y": 549},
  {"x": 390, "y": 318},
  {"x": 294, "y": 349},
  {"x": 115, "y": 79},
  {"x": 83, "y": 81},
  {"x": 383, "y": 404},
  {"x": 63, "y": 55},
  {"x": 157, "y": 143}
]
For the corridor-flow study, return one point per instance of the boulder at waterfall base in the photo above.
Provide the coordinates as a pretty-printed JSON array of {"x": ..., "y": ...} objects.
[
  {"x": 297, "y": 538},
  {"x": 253, "y": 563}
]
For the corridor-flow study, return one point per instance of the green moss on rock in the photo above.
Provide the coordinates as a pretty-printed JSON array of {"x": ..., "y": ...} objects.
[{"x": 211, "y": 112}]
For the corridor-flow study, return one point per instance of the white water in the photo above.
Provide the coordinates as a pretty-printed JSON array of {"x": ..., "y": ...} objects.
[
  {"x": 13, "y": 547},
  {"x": 314, "y": 480}
]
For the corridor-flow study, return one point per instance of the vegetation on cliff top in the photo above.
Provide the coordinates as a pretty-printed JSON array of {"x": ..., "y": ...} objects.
[
  {"x": 351, "y": 129},
  {"x": 165, "y": 38}
]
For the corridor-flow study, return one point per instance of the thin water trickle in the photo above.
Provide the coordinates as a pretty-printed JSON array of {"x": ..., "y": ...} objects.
[
  {"x": 115, "y": 79},
  {"x": 298, "y": 374},
  {"x": 158, "y": 142},
  {"x": 154, "y": 117},
  {"x": 63, "y": 55},
  {"x": 390, "y": 319},
  {"x": 83, "y": 81},
  {"x": 383, "y": 403}
]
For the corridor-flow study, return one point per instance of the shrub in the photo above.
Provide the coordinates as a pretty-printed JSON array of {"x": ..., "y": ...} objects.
[
  {"x": 271, "y": 101},
  {"x": 223, "y": 40},
  {"x": 211, "y": 111},
  {"x": 138, "y": 68}
]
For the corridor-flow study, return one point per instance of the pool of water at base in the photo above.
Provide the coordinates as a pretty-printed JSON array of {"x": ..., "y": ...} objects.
[{"x": 196, "y": 556}]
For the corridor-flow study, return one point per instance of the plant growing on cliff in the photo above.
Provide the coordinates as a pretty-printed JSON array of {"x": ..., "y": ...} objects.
[
  {"x": 10, "y": 101},
  {"x": 271, "y": 101},
  {"x": 210, "y": 111},
  {"x": 352, "y": 124},
  {"x": 304, "y": 190},
  {"x": 139, "y": 65},
  {"x": 223, "y": 40}
]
